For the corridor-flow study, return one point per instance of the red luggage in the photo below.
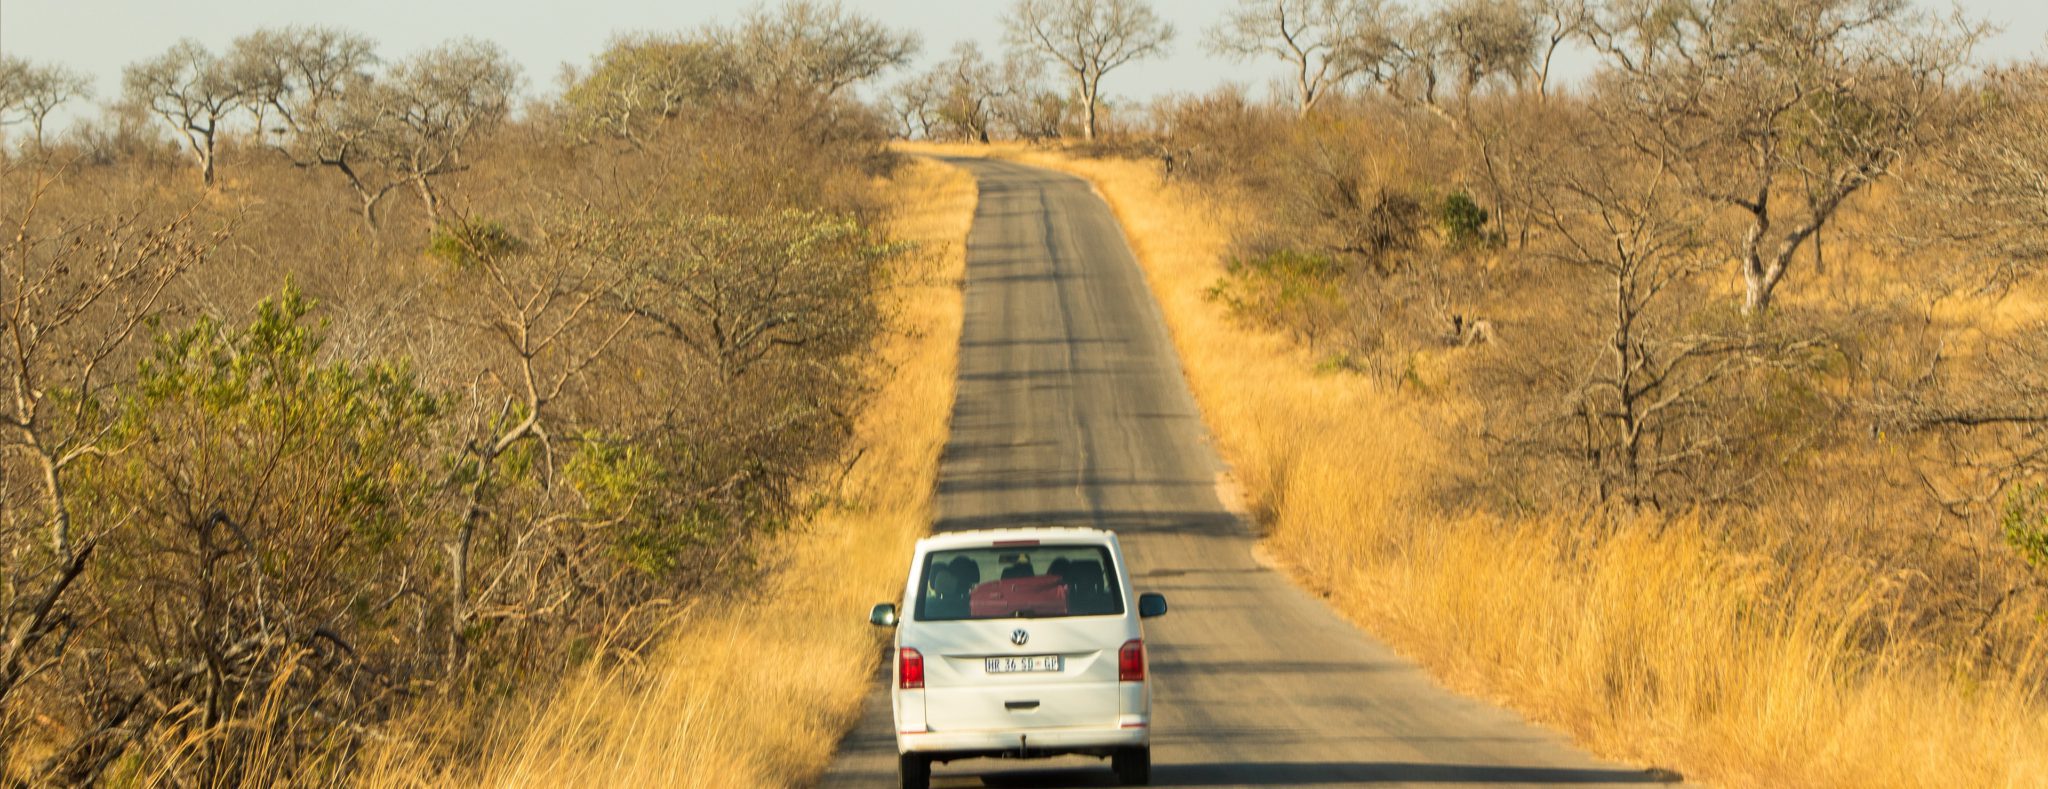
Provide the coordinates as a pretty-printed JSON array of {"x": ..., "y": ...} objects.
[{"x": 1037, "y": 595}]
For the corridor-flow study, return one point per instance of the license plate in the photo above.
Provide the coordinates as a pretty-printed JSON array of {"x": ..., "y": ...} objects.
[{"x": 1020, "y": 665}]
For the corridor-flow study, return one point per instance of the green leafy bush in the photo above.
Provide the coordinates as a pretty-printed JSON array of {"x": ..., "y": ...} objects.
[
  {"x": 1461, "y": 220},
  {"x": 274, "y": 511},
  {"x": 2026, "y": 525},
  {"x": 1288, "y": 290},
  {"x": 464, "y": 244}
]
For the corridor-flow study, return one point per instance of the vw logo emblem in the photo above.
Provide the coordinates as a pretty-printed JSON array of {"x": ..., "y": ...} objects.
[{"x": 1018, "y": 637}]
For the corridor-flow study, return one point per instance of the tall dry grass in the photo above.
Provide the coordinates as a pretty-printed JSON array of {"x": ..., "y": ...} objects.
[
  {"x": 756, "y": 692},
  {"x": 1653, "y": 643}
]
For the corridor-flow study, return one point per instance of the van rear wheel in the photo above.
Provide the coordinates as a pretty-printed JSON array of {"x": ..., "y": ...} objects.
[
  {"x": 915, "y": 769},
  {"x": 1133, "y": 766}
]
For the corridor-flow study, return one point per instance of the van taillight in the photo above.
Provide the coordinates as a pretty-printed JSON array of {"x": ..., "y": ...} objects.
[
  {"x": 910, "y": 669},
  {"x": 1130, "y": 661}
]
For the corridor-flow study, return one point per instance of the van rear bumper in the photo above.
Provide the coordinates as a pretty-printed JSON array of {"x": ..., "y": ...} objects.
[{"x": 1026, "y": 743}]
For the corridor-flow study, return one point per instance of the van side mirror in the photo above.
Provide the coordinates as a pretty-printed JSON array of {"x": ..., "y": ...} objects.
[
  {"x": 884, "y": 615},
  {"x": 1151, "y": 604}
]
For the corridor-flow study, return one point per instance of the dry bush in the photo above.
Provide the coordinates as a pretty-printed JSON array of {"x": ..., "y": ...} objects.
[
  {"x": 756, "y": 689},
  {"x": 349, "y": 473},
  {"x": 1213, "y": 137},
  {"x": 80, "y": 296},
  {"x": 1982, "y": 199},
  {"x": 1631, "y": 381}
]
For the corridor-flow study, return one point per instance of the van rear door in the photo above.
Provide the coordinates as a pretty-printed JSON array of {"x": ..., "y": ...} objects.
[
  {"x": 1064, "y": 674},
  {"x": 1020, "y": 636}
]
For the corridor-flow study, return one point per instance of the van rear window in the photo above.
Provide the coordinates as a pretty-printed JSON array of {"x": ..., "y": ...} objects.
[{"x": 1018, "y": 582}]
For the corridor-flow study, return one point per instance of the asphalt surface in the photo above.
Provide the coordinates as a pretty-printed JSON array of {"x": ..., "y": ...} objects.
[{"x": 1071, "y": 410}]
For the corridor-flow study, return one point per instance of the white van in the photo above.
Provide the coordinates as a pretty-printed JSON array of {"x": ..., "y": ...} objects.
[{"x": 1021, "y": 643}]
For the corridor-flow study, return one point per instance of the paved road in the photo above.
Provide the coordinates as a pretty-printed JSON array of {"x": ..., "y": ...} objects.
[{"x": 1071, "y": 410}]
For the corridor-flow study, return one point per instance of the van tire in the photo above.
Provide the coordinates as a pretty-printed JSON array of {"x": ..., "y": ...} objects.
[
  {"x": 916, "y": 770},
  {"x": 1133, "y": 766}
]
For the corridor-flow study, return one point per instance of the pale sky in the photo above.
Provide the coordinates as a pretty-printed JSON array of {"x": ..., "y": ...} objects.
[{"x": 100, "y": 36}]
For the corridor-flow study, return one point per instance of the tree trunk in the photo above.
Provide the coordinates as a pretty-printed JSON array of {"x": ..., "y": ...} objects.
[
  {"x": 427, "y": 196},
  {"x": 1820, "y": 260},
  {"x": 370, "y": 209},
  {"x": 200, "y": 140},
  {"x": 60, "y": 513},
  {"x": 458, "y": 597},
  {"x": 1757, "y": 279},
  {"x": 1760, "y": 278},
  {"x": 368, "y": 197},
  {"x": 1304, "y": 90},
  {"x": 37, "y": 625},
  {"x": 1088, "y": 108},
  {"x": 1760, "y": 273},
  {"x": 1543, "y": 71}
]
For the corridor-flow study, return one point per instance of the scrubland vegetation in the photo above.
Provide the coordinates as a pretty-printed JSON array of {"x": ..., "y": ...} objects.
[
  {"x": 360, "y": 423},
  {"x": 754, "y": 689},
  {"x": 349, "y": 405},
  {"x": 1695, "y": 408}
]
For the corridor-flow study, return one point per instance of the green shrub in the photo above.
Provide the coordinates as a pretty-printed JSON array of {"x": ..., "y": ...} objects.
[
  {"x": 464, "y": 244},
  {"x": 1461, "y": 219},
  {"x": 2026, "y": 525},
  {"x": 1289, "y": 290},
  {"x": 264, "y": 496},
  {"x": 621, "y": 485}
]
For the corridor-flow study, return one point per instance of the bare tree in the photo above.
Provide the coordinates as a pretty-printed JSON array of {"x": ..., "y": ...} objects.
[
  {"x": 1985, "y": 202},
  {"x": 13, "y": 80},
  {"x": 1560, "y": 21},
  {"x": 1460, "y": 46},
  {"x": 311, "y": 91},
  {"x": 1325, "y": 43},
  {"x": 915, "y": 104},
  {"x": 293, "y": 76},
  {"x": 193, "y": 91},
  {"x": 814, "y": 45},
  {"x": 1635, "y": 410},
  {"x": 1089, "y": 39},
  {"x": 1483, "y": 39},
  {"x": 1415, "y": 73},
  {"x": 316, "y": 98},
  {"x": 547, "y": 311},
  {"x": 1782, "y": 109},
  {"x": 799, "y": 53},
  {"x": 1027, "y": 107},
  {"x": 30, "y": 93},
  {"x": 640, "y": 81},
  {"x": 969, "y": 86},
  {"x": 1988, "y": 414},
  {"x": 967, "y": 96},
  {"x": 429, "y": 108}
]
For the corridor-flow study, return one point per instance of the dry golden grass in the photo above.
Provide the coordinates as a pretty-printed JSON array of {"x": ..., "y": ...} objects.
[
  {"x": 757, "y": 692},
  {"x": 1659, "y": 644}
]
